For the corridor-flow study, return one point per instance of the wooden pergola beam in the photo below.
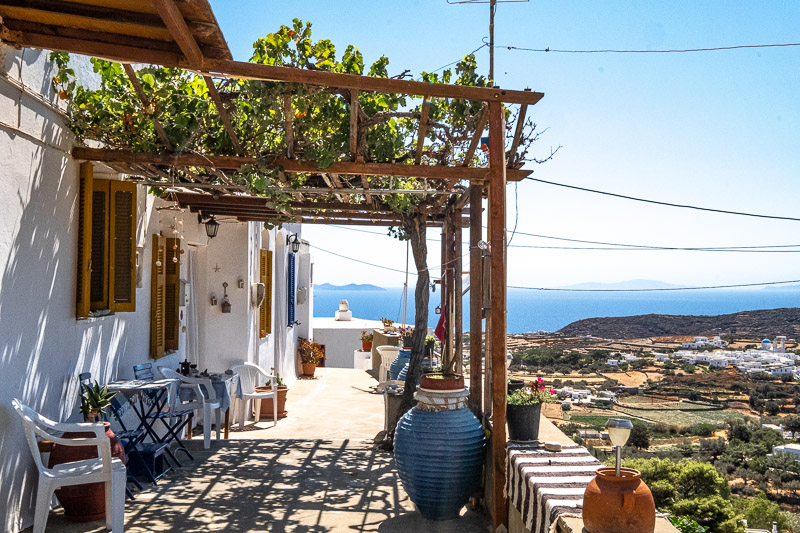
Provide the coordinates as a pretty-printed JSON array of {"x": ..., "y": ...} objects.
[
  {"x": 176, "y": 24},
  {"x": 475, "y": 301},
  {"x": 523, "y": 110},
  {"x": 291, "y": 165},
  {"x": 287, "y": 121},
  {"x": 146, "y": 102},
  {"x": 476, "y": 136}
]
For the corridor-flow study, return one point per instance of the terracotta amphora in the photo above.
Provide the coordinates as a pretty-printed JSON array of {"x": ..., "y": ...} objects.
[{"x": 622, "y": 504}]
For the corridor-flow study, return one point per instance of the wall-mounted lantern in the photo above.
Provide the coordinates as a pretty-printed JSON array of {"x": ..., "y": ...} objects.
[
  {"x": 226, "y": 304},
  {"x": 213, "y": 299},
  {"x": 295, "y": 241},
  {"x": 240, "y": 283}
]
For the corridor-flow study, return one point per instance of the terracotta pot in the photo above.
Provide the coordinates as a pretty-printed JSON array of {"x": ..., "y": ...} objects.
[
  {"x": 84, "y": 503},
  {"x": 440, "y": 382},
  {"x": 266, "y": 403},
  {"x": 366, "y": 346},
  {"x": 308, "y": 368},
  {"x": 622, "y": 504}
]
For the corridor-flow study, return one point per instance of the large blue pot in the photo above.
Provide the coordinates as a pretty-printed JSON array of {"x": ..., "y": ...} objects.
[
  {"x": 439, "y": 450},
  {"x": 403, "y": 357}
]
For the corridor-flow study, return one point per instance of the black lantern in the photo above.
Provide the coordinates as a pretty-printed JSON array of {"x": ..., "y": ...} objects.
[
  {"x": 212, "y": 226},
  {"x": 295, "y": 241}
]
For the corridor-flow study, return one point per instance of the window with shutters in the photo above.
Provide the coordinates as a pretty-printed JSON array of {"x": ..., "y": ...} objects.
[
  {"x": 164, "y": 296},
  {"x": 106, "y": 245},
  {"x": 265, "y": 277},
  {"x": 290, "y": 282}
]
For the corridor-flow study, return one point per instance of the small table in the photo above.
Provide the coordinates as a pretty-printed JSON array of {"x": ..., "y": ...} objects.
[{"x": 225, "y": 387}]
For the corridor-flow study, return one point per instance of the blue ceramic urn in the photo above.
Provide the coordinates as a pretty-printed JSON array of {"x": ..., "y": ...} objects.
[
  {"x": 439, "y": 451},
  {"x": 403, "y": 357}
]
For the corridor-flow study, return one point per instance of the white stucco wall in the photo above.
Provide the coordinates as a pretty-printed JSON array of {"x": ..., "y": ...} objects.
[{"x": 42, "y": 346}]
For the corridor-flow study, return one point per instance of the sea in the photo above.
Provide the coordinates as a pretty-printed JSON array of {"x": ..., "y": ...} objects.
[{"x": 530, "y": 310}]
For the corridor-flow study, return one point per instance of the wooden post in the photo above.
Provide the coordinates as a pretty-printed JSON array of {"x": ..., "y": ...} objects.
[
  {"x": 445, "y": 298},
  {"x": 475, "y": 301},
  {"x": 497, "y": 231},
  {"x": 458, "y": 295}
]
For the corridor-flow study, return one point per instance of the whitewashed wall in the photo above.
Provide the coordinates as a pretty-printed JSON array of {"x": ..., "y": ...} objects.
[{"x": 42, "y": 346}]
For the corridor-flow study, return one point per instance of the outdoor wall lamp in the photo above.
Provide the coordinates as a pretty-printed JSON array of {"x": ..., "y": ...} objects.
[
  {"x": 619, "y": 430},
  {"x": 226, "y": 304},
  {"x": 212, "y": 226},
  {"x": 295, "y": 241}
]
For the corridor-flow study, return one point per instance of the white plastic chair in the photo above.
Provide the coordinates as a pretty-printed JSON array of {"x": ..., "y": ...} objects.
[
  {"x": 103, "y": 469},
  {"x": 202, "y": 401},
  {"x": 249, "y": 375},
  {"x": 388, "y": 355}
]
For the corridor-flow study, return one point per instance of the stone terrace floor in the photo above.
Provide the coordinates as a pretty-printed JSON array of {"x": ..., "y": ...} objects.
[{"x": 317, "y": 471}]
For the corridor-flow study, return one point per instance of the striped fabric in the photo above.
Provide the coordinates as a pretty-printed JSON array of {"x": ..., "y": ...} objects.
[{"x": 543, "y": 485}]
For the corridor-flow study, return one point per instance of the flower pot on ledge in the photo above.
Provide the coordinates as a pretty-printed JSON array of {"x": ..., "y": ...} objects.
[
  {"x": 308, "y": 369},
  {"x": 621, "y": 504},
  {"x": 366, "y": 346}
]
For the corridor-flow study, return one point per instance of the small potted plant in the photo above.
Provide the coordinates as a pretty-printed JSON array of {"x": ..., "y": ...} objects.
[
  {"x": 407, "y": 333},
  {"x": 430, "y": 344},
  {"x": 310, "y": 354},
  {"x": 266, "y": 403},
  {"x": 388, "y": 325},
  {"x": 94, "y": 401},
  {"x": 523, "y": 409},
  {"x": 366, "y": 341}
]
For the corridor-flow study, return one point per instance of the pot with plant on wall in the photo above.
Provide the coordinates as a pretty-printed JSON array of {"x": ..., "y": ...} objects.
[
  {"x": 407, "y": 333},
  {"x": 310, "y": 354},
  {"x": 524, "y": 408},
  {"x": 430, "y": 344},
  {"x": 86, "y": 503},
  {"x": 366, "y": 341}
]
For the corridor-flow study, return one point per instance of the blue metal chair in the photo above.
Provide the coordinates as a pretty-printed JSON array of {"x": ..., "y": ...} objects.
[{"x": 173, "y": 419}]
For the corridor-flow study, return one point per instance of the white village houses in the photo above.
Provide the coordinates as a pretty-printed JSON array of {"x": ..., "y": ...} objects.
[{"x": 134, "y": 282}]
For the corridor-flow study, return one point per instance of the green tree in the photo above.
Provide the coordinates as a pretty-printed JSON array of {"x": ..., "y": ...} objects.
[
  {"x": 760, "y": 513},
  {"x": 772, "y": 407},
  {"x": 715, "y": 513},
  {"x": 640, "y": 437}
]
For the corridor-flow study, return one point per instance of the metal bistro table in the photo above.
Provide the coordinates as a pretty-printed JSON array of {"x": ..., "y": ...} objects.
[
  {"x": 148, "y": 398},
  {"x": 226, "y": 386}
]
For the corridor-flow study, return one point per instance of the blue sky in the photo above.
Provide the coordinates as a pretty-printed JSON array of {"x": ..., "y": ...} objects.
[{"x": 716, "y": 129}]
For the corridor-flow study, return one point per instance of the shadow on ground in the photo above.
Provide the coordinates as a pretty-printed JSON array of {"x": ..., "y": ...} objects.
[{"x": 281, "y": 485}]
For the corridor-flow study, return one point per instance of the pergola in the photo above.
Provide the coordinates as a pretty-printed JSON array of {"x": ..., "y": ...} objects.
[{"x": 184, "y": 34}]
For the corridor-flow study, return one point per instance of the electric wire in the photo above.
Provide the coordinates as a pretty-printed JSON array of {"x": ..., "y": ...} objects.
[
  {"x": 668, "y": 204},
  {"x": 484, "y": 45},
  {"x": 611, "y": 246},
  {"x": 659, "y": 289},
  {"x": 666, "y": 51}
]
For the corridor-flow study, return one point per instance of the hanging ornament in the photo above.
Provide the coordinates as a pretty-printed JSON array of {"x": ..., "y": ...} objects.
[
  {"x": 174, "y": 259},
  {"x": 158, "y": 263}
]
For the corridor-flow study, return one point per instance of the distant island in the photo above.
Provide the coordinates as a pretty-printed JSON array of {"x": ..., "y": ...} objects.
[
  {"x": 757, "y": 323},
  {"x": 627, "y": 285},
  {"x": 348, "y": 287}
]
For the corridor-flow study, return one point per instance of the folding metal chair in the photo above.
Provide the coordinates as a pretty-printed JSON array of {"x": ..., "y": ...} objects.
[{"x": 173, "y": 419}]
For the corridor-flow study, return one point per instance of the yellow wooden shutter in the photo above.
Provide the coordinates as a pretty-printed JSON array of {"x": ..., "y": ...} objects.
[
  {"x": 265, "y": 277},
  {"x": 84, "y": 239},
  {"x": 122, "y": 247},
  {"x": 157, "y": 294},
  {"x": 98, "y": 283},
  {"x": 172, "y": 285}
]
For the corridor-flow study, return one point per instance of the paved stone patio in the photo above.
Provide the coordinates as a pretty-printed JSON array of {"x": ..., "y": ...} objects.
[{"x": 317, "y": 471}]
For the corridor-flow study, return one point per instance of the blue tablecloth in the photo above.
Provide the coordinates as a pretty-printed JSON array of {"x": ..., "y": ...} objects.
[{"x": 225, "y": 385}]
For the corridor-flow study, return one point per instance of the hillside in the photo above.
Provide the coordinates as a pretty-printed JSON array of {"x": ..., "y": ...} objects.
[
  {"x": 348, "y": 287},
  {"x": 760, "y": 323}
]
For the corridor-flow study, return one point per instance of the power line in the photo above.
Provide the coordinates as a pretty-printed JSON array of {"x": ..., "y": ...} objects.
[
  {"x": 657, "y": 202},
  {"x": 614, "y": 246},
  {"x": 461, "y": 58},
  {"x": 658, "y": 289},
  {"x": 667, "y": 51}
]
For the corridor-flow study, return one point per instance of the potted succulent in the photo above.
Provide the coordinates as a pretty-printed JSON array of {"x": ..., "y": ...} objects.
[
  {"x": 366, "y": 341},
  {"x": 310, "y": 354},
  {"x": 388, "y": 325},
  {"x": 94, "y": 401},
  {"x": 266, "y": 404},
  {"x": 523, "y": 409}
]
